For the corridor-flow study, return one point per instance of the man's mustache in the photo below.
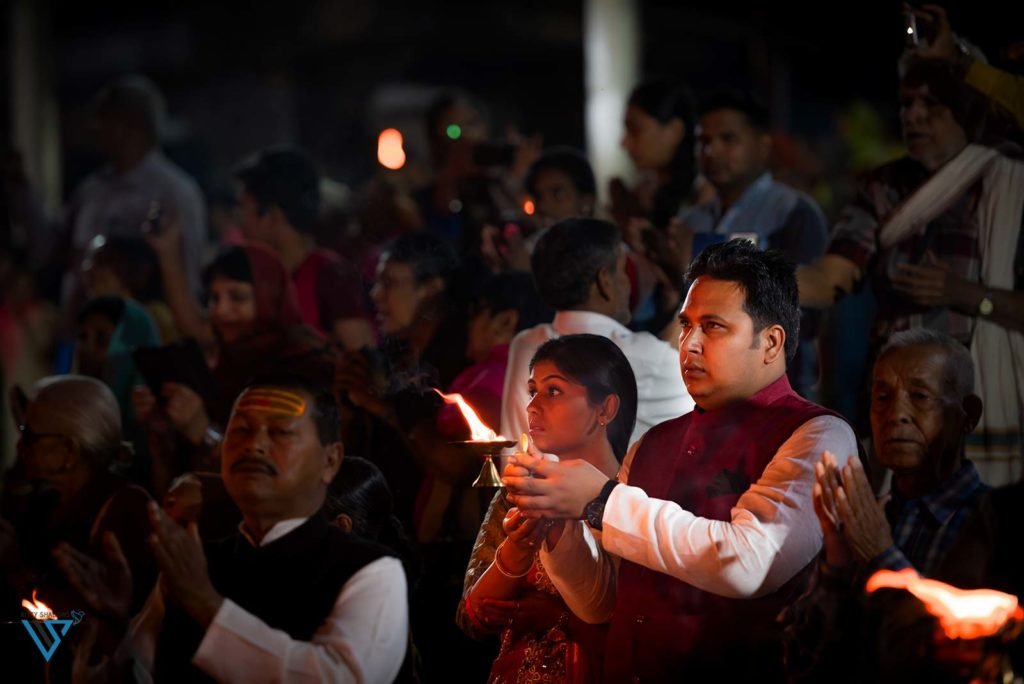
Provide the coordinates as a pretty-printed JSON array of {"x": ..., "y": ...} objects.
[{"x": 249, "y": 462}]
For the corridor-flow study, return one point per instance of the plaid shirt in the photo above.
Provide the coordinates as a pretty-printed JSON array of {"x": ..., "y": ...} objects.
[
  {"x": 828, "y": 620},
  {"x": 923, "y": 529},
  {"x": 952, "y": 236}
]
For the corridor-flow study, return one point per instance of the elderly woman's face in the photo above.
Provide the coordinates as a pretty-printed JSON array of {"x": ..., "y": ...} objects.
[
  {"x": 44, "y": 448},
  {"x": 232, "y": 307}
]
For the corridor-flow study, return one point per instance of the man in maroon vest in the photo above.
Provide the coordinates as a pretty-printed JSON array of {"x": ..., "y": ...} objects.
[{"x": 709, "y": 529}]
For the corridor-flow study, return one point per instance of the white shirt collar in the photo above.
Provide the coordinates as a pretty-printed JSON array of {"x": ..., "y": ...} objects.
[
  {"x": 591, "y": 321},
  {"x": 279, "y": 530}
]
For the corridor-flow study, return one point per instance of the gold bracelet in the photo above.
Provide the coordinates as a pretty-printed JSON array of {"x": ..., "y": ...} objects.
[{"x": 503, "y": 571}]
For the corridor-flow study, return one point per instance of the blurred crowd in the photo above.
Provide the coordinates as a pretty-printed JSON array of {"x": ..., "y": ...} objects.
[{"x": 229, "y": 435}]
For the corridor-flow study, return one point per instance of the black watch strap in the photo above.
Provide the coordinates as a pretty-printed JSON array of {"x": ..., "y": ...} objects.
[{"x": 593, "y": 512}]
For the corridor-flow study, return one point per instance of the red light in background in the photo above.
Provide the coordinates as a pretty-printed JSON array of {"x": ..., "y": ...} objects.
[
  {"x": 529, "y": 207},
  {"x": 389, "y": 149}
]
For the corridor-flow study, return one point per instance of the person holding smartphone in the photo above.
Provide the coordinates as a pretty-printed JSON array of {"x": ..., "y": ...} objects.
[
  {"x": 937, "y": 233},
  {"x": 931, "y": 36}
]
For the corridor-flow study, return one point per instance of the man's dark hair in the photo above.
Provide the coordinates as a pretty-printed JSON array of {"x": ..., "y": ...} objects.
[
  {"x": 287, "y": 178},
  {"x": 572, "y": 163},
  {"x": 959, "y": 372},
  {"x": 746, "y": 104},
  {"x": 428, "y": 255},
  {"x": 569, "y": 256},
  {"x": 513, "y": 291},
  {"x": 325, "y": 406},
  {"x": 768, "y": 280}
]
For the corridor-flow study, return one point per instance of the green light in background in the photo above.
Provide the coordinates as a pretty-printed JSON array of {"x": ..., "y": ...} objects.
[{"x": 454, "y": 131}]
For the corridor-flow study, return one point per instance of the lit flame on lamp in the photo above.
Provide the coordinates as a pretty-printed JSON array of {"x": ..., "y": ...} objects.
[
  {"x": 485, "y": 441},
  {"x": 389, "y": 149},
  {"x": 529, "y": 207},
  {"x": 477, "y": 428},
  {"x": 963, "y": 614},
  {"x": 39, "y": 610}
]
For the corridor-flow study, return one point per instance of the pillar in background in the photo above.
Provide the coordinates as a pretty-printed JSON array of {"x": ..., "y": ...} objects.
[
  {"x": 34, "y": 115},
  {"x": 611, "y": 56}
]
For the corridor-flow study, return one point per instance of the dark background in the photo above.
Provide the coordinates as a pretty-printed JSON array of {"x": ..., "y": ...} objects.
[{"x": 329, "y": 74}]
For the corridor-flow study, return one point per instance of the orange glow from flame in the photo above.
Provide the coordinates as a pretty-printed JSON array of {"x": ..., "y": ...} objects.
[
  {"x": 529, "y": 208},
  {"x": 39, "y": 610},
  {"x": 389, "y": 149},
  {"x": 478, "y": 429},
  {"x": 963, "y": 614}
]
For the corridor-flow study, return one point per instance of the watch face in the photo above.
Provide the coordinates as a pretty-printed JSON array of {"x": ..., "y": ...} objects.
[{"x": 593, "y": 513}]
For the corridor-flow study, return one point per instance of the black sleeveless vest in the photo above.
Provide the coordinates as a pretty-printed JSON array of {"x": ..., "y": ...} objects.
[{"x": 291, "y": 584}]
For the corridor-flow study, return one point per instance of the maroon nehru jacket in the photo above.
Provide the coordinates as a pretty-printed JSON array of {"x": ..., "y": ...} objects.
[{"x": 664, "y": 629}]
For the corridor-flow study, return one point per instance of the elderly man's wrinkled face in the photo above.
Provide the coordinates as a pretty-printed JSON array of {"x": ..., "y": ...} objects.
[
  {"x": 915, "y": 425},
  {"x": 272, "y": 461},
  {"x": 930, "y": 132}
]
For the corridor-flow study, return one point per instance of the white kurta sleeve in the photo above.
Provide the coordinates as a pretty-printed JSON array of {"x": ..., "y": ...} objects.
[
  {"x": 582, "y": 572},
  {"x": 363, "y": 639},
  {"x": 515, "y": 396},
  {"x": 772, "y": 534}
]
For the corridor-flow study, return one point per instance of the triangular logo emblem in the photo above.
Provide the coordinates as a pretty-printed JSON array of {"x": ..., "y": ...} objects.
[{"x": 44, "y": 634}]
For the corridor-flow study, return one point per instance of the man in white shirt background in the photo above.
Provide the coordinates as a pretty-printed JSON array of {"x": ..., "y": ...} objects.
[
  {"x": 289, "y": 597},
  {"x": 137, "y": 180},
  {"x": 709, "y": 528},
  {"x": 580, "y": 269}
]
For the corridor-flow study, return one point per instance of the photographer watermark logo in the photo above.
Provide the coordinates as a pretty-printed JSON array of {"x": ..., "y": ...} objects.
[{"x": 46, "y": 629}]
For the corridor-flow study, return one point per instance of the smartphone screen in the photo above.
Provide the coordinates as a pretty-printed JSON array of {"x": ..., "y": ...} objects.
[{"x": 910, "y": 26}]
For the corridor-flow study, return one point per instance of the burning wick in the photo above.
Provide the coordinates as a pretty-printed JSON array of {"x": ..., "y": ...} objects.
[
  {"x": 524, "y": 443},
  {"x": 39, "y": 610},
  {"x": 478, "y": 429},
  {"x": 963, "y": 614}
]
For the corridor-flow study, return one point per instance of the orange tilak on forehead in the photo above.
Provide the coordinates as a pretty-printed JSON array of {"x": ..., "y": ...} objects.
[{"x": 268, "y": 400}]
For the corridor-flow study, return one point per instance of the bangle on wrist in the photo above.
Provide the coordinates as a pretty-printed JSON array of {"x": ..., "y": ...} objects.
[{"x": 502, "y": 570}]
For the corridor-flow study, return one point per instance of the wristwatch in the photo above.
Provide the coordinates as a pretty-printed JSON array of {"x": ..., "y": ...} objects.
[
  {"x": 985, "y": 306},
  {"x": 593, "y": 512}
]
